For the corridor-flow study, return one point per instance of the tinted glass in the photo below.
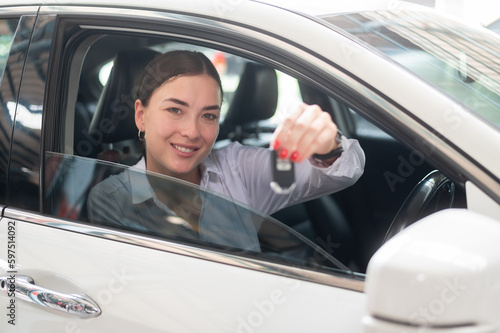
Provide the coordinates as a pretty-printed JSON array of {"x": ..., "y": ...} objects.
[
  {"x": 25, "y": 159},
  {"x": 8, "y": 94},
  {"x": 460, "y": 60},
  {"x": 135, "y": 200},
  {"x": 7, "y": 30}
]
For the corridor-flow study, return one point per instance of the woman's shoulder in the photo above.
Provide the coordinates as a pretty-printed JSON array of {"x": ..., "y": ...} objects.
[
  {"x": 235, "y": 148},
  {"x": 235, "y": 158},
  {"x": 235, "y": 154}
]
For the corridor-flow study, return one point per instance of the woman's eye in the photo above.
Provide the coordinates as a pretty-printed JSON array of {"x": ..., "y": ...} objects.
[
  {"x": 174, "y": 110},
  {"x": 210, "y": 116}
]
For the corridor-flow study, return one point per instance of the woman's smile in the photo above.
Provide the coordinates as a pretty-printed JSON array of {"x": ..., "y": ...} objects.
[{"x": 183, "y": 149}]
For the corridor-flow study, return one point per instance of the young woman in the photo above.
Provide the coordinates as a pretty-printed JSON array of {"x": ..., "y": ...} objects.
[{"x": 177, "y": 113}]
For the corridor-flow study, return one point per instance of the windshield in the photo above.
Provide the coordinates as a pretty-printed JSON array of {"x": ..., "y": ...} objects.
[
  {"x": 462, "y": 61},
  {"x": 112, "y": 195}
]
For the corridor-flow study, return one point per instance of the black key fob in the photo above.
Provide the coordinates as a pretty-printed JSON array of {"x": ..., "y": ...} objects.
[{"x": 283, "y": 173}]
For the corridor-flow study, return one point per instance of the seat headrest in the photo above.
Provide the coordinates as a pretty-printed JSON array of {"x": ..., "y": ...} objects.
[
  {"x": 256, "y": 97},
  {"x": 114, "y": 118},
  {"x": 312, "y": 96}
]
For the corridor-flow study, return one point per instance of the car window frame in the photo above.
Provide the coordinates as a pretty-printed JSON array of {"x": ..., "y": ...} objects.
[{"x": 50, "y": 140}]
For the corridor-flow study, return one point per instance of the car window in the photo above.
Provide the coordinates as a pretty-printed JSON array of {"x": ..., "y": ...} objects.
[
  {"x": 135, "y": 200},
  {"x": 462, "y": 61},
  {"x": 7, "y": 30}
]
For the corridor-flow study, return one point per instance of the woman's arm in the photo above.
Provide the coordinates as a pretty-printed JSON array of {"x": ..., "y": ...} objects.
[{"x": 253, "y": 166}]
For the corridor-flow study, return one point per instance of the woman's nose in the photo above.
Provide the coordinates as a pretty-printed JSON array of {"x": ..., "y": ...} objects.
[{"x": 190, "y": 129}]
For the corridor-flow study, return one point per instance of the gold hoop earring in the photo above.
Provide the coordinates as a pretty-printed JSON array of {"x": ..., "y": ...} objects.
[{"x": 140, "y": 136}]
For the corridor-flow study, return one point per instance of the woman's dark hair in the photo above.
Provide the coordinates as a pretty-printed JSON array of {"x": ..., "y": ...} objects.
[{"x": 167, "y": 66}]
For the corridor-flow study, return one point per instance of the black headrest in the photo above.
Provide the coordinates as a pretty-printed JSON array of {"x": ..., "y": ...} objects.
[
  {"x": 312, "y": 96},
  {"x": 114, "y": 116},
  {"x": 256, "y": 97}
]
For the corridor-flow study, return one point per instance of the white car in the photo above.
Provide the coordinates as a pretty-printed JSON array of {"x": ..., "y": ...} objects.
[{"x": 419, "y": 92}]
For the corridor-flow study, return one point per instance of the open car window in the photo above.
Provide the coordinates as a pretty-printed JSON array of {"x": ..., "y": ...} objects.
[{"x": 140, "y": 202}]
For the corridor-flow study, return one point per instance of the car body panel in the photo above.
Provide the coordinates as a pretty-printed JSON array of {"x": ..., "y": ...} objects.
[
  {"x": 479, "y": 202},
  {"x": 165, "y": 291}
]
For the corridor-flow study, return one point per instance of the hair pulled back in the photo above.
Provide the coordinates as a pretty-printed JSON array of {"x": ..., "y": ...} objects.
[{"x": 170, "y": 65}]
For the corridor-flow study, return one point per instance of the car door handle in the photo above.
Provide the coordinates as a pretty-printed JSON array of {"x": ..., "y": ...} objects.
[{"x": 24, "y": 288}]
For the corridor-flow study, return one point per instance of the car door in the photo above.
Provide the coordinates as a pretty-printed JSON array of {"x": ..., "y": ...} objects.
[{"x": 61, "y": 273}]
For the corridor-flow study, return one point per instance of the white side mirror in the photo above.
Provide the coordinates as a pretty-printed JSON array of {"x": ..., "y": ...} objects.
[{"x": 441, "y": 274}]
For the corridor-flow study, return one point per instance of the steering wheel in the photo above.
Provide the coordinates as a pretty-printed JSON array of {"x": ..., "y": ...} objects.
[{"x": 435, "y": 188}]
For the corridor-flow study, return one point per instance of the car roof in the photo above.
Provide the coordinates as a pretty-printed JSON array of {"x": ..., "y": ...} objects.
[
  {"x": 312, "y": 7},
  {"x": 192, "y": 6}
]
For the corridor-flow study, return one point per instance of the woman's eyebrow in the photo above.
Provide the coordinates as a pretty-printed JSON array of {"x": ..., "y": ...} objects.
[
  {"x": 177, "y": 101},
  {"x": 183, "y": 103},
  {"x": 211, "y": 107}
]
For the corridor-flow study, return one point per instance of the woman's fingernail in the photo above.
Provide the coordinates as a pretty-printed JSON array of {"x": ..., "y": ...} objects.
[
  {"x": 276, "y": 144},
  {"x": 283, "y": 153},
  {"x": 295, "y": 156}
]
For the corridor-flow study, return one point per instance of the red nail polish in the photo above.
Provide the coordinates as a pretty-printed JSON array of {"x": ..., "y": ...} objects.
[
  {"x": 295, "y": 156},
  {"x": 276, "y": 144},
  {"x": 283, "y": 153}
]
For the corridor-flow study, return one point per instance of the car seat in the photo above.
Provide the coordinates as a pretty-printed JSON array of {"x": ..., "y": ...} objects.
[
  {"x": 254, "y": 100},
  {"x": 113, "y": 124},
  {"x": 112, "y": 128}
]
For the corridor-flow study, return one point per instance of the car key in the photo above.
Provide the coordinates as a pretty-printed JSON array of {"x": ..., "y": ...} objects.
[{"x": 283, "y": 174}]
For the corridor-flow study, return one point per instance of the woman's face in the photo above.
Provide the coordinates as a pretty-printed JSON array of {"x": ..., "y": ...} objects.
[{"x": 181, "y": 124}]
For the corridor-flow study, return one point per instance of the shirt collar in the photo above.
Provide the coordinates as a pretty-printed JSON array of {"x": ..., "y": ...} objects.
[
  {"x": 139, "y": 186},
  {"x": 209, "y": 167}
]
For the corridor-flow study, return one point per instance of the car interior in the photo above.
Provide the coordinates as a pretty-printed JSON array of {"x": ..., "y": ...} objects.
[{"x": 349, "y": 225}]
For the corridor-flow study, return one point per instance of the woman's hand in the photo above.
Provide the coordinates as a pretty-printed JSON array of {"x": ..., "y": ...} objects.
[{"x": 305, "y": 132}]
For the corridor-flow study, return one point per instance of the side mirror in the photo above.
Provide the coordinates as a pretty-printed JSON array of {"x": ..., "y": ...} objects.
[{"x": 441, "y": 274}]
